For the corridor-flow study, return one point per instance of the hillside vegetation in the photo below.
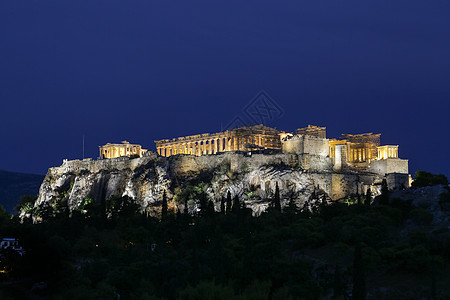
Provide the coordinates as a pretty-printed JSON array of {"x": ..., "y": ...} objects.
[{"x": 329, "y": 251}]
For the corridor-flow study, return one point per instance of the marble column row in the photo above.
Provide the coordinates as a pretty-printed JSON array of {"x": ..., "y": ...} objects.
[{"x": 200, "y": 147}]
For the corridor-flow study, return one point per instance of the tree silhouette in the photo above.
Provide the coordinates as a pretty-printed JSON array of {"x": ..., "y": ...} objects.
[
  {"x": 358, "y": 198},
  {"x": 164, "y": 206},
  {"x": 368, "y": 199},
  {"x": 384, "y": 197},
  {"x": 222, "y": 206},
  {"x": 203, "y": 204},
  {"x": 236, "y": 204},
  {"x": 186, "y": 210},
  {"x": 228, "y": 202},
  {"x": 211, "y": 210},
  {"x": 276, "y": 199}
]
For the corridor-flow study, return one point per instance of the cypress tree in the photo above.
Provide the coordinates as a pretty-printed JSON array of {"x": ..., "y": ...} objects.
[
  {"x": 368, "y": 199},
  {"x": 186, "y": 210},
  {"x": 358, "y": 198},
  {"x": 236, "y": 204},
  {"x": 222, "y": 206},
  {"x": 292, "y": 207},
  {"x": 276, "y": 200},
  {"x": 228, "y": 202},
  {"x": 211, "y": 210},
  {"x": 359, "y": 279},
  {"x": 384, "y": 197},
  {"x": 164, "y": 206},
  {"x": 203, "y": 204}
]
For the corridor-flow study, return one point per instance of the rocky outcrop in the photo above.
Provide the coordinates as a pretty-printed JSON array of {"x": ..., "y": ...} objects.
[{"x": 252, "y": 179}]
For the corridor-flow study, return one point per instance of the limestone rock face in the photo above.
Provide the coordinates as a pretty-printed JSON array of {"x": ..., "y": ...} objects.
[{"x": 252, "y": 179}]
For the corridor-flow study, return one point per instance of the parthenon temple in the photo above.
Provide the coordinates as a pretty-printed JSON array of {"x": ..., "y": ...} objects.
[{"x": 240, "y": 139}]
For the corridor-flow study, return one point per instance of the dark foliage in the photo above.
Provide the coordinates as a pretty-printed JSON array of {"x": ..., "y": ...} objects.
[
  {"x": 359, "y": 276},
  {"x": 423, "y": 179},
  {"x": 212, "y": 255}
]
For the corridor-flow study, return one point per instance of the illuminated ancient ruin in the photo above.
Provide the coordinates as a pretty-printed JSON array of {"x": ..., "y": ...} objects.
[
  {"x": 240, "y": 139},
  {"x": 350, "y": 152},
  {"x": 357, "y": 152},
  {"x": 117, "y": 150}
]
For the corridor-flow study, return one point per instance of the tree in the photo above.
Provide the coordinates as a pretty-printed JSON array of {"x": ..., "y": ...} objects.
[
  {"x": 276, "y": 199},
  {"x": 358, "y": 198},
  {"x": 211, "y": 209},
  {"x": 186, "y": 210},
  {"x": 423, "y": 179},
  {"x": 222, "y": 206},
  {"x": 384, "y": 196},
  {"x": 359, "y": 278},
  {"x": 164, "y": 206},
  {"x": 228, "y": 202},
  {"x": 122, "y": 207},
  {"x": 368, "y": 199},
  {"x": 4, "y": 215},
  {"x": 236, "y": 204},
  {"x": 26, "y": 203}
]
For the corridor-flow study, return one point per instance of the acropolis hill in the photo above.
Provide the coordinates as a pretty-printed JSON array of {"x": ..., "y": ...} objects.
[{"x": 246, "y": 161}]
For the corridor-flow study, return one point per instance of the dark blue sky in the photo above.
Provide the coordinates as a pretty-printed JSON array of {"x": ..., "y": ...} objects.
[{"x": 143, "y": 70}]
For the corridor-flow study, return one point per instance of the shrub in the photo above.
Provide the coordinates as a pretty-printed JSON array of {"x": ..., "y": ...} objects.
[{"x": 423, "y": 179}]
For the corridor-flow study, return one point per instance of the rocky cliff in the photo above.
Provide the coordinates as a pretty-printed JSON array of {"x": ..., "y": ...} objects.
[{"x": 253, "y": 179}]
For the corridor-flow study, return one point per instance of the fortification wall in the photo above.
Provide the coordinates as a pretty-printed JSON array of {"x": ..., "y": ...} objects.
[
  {"x": 237, "y": 162},
  {"x": 390, "y": 165},
  {"x": 344, "y": 184},
  {"x": 303, "y": 144},
  {"x": 146, "y": 178}
]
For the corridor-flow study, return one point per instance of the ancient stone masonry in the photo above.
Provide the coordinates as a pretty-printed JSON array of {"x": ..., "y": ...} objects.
[
  {"x": 117, "y": 150},
  {"x": 240, "y": 139},
  {"x": 306, "y": 162},
  {"x": 311, "y": 130},
  {"x": 351, "y": 152}
]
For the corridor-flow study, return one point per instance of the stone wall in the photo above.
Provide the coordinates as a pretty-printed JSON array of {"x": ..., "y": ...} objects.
[
  {"x": 252, "y": 179},
  {"x": 390, "y": 165},
  {"x": 303, "y": 144},
  {"x": 397, "y": 181}
]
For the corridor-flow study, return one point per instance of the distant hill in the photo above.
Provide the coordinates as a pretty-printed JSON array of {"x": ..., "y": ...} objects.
[{"x": 14, "y": 185}]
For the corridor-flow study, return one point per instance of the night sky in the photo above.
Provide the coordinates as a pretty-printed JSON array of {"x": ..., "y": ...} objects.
[{"x": 144, "y": 70}]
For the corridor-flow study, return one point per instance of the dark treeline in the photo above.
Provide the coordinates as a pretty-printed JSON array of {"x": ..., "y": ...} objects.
[{"x": 341, "y": 252}]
